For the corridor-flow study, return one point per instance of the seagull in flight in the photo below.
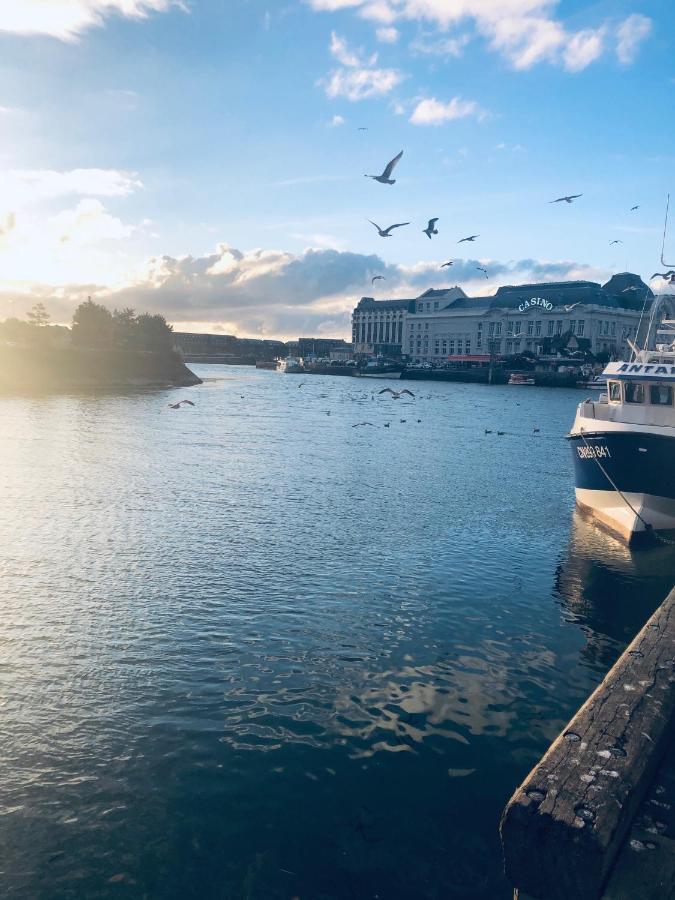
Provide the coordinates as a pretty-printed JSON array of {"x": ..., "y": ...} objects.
[
  {"x": 669, "y": 276},
  {"x": 180, "y": 403},
  {"x": 385, "y": 177},
  {"x": 377, "y": 278},
  {"x": 617, "y": 241},
  {"x": 568, "y": 199},
  {"x": 397, "y": 394},
  {"x": 472, "y": 237},
  {"x": 431, "y": 228},
  {"x": 447, "y": 264},
  {"x": 481, "y": 269},
  {"x": 386, "y": 232},
  {"x": 633, "y": 208}
]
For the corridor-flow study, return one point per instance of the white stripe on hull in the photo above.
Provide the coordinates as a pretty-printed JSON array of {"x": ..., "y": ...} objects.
[{"x": 612, "y": 511}]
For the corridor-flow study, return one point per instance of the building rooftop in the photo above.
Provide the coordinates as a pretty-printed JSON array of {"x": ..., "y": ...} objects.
[{"x": 371, "y": 303}]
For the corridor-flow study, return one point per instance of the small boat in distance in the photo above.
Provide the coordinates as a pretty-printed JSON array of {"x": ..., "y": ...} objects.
[
  {"x": 623, "y": 446},
  {"x": 291, "y": 365},
  {"x": 379, "y": 367},
  {"x": 519, "y": 378}
]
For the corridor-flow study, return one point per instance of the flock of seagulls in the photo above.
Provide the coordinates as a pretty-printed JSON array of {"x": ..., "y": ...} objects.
[{"x": 431, "y": 229}]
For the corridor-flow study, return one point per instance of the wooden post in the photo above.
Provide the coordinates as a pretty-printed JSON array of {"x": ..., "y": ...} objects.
[{"x": 562, "y": 828}]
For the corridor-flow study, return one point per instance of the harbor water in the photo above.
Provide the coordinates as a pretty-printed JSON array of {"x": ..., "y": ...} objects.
[{"x": 252, "y": 651}]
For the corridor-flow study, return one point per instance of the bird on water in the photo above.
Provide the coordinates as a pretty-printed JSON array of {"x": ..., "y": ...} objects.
[
  {"x": 385, "y": 177},
  {"x": 431, "y": 228},
  {"x": 386, "y": 232},
  {"x": 358, "y": 424}
]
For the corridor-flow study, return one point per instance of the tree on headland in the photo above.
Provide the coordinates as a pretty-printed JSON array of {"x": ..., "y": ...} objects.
[
  {"x": 38, "y": 315},
  {"x": 92, "y": 325},
  {"x": 96, "y": 326},
  {"x": 153, "y": 332}
]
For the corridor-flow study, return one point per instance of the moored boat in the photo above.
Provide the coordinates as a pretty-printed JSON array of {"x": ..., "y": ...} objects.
[
  {"x": 379, "y": 367},
  {"x": 623, "y": 445},
  {"x": 291, "y": 365},
  {"x": 519, "y": 378}
]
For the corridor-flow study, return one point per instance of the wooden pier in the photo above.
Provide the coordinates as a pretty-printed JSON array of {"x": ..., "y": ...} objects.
[{"x": 596, "y": 817}]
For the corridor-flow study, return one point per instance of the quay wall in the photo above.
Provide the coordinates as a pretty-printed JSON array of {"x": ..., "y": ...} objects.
[{"x": 563, "y": 828}]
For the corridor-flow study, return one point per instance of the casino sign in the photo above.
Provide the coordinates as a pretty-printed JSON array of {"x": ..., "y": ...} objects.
[{"x": 536, "y": 301}]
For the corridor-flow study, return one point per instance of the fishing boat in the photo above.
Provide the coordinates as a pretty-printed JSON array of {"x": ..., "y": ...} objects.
[
  {"x": 290, "y": 365},
  {"x": 623, "y": 445},
  {"x": 519, "y": 378},
  {"x": 379, "y": 367}
]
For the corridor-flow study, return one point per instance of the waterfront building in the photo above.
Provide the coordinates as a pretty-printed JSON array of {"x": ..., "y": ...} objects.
[
  {"x": 543, "y": 319},
  {"x": 195, "y": 346},
  {"x": 317, "y": 348}
]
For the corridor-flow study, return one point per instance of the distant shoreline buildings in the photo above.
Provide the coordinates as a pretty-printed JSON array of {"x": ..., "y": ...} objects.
[{"x": 541, "y": 319}]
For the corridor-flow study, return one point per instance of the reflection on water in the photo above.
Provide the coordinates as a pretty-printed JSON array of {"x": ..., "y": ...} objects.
[{"x": 250, "y": 651}]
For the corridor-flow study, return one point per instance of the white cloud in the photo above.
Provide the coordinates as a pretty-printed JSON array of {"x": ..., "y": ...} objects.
[
  {"x": 433, "y": 112},
  {"x": 66, "y": 19},
  {"x": 387, "y": 35},
  {"x": 88, "y": 223},
  {"x": 358, "y": 80},
  {"x": 583, "y": 48},
  {"x": 362, "y": 84},
  {"x": 336, "y": 122},
  {"x": 431, "y": 46},
  {"x": 286, "y": 293},
  {"x": 630, "y": 34},
  {"x": 524, "y": 32},
  {"x": 20, "y": 187}
]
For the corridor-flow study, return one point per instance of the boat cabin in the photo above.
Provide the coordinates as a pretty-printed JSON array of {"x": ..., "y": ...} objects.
[{"x": 641, "y": 392}]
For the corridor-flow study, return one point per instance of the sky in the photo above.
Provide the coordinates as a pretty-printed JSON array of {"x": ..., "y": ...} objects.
[{"x": 205, "y": 159}]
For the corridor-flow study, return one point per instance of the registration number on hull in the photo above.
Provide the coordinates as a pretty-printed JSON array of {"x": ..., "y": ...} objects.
[{"x": 593, "y": 451}]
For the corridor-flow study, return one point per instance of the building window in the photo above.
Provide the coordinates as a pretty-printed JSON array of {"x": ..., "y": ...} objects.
[
  {"x": 613, "y": 329},
  {"x": 428, "y": 307},
  {"x": 479, "y": 341},
  {"x": 605, "y": 330},
  {"x": 509, "y": 328},
  {"x": 530, "y": 327},
  {"x": 445, "y": 347},
  {"x": 518, "y": 328},
  {"x": 558, "y": 326},
  {"x": 496, "y": 346},
  {"x": 491, "y": 329},
  {"x": 435, "y": 304},
  {"x": 509, "y": 346},
  {"x": 426, "y": 326},
  {"x": 573, "y": 326},
  {"x": 467, "y": 348},
  {"x": 459, "y": 346},
  {"x": 580, "y": 327},
  {"x": 452, "y": 348},
  {"x": 498, "y": 328},
  {"x": 549, "y": 327},
  {"x": 480, "y": 326},
  {"x": 437, "y": 347},
  {"x": 538, "y": 327}
]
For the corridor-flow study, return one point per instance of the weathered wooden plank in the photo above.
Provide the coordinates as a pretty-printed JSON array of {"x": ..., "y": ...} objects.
[{"x": 564, "y": 825}]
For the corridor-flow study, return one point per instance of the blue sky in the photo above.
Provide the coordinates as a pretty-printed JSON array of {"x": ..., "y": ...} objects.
[{"x": 203, "y": 159}]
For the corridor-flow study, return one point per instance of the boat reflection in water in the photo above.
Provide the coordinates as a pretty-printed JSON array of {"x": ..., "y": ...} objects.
[{"x": 609, "y": 589}]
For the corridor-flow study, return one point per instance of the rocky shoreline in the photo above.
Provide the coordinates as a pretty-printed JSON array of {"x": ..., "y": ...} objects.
[{"x": 49, "y": 368}]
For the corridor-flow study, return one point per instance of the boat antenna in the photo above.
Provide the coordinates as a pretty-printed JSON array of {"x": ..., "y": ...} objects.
[{"x": 665, "y": 229}]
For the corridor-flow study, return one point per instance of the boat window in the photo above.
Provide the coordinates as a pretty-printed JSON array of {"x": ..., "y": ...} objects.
[
  {"x": 661, "y": 395},
  {"x": 635, "y": 392},
  {"x": 615, "y": 391}
]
